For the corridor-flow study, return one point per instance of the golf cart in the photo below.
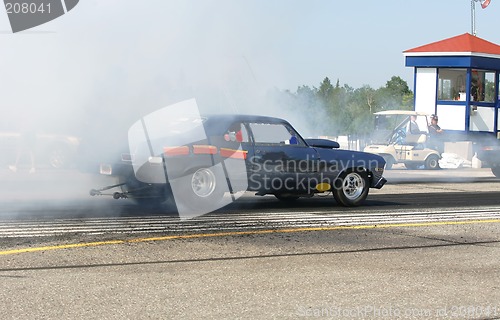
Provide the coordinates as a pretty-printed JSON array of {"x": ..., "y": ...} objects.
[{"x": 399, "y": 140}]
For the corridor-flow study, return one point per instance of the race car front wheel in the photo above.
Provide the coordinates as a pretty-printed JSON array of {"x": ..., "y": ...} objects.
[{"x": 351, "y": 188}]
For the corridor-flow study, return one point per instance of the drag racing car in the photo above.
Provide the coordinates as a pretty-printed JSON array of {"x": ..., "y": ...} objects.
[
  {"x": 51, "y": 150},
  {"x": 197, "y": 160}
]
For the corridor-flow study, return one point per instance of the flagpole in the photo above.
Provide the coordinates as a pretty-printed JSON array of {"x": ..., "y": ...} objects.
[
  {"x": 484, "y": 4},
  {"x": 473, "y": 16}
]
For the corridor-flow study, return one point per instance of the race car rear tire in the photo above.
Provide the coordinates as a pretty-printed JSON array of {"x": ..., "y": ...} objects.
[
  {"x": 351, "y": 188},
  {"x": 204, "y": 189}
]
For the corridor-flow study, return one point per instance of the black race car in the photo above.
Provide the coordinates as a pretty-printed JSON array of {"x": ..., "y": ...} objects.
[
  {"x": 49, "y": 149},
  {"x": 196, "y": 160}
]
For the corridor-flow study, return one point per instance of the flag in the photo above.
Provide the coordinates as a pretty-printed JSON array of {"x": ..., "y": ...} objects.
[{"x": 485, "y": 3}]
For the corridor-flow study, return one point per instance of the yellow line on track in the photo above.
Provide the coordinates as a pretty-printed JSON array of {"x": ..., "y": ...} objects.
[{"x": 239, "y": 233}]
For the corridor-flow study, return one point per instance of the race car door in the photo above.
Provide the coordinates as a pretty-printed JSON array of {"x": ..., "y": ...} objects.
[{"x": 281, "y": 161}]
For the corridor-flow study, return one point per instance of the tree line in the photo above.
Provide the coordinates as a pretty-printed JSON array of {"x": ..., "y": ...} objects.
[{"x": 342, "y": 110}]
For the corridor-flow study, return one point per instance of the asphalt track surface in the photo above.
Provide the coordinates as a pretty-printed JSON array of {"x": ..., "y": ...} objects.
[{"x": 426, "y": 246}]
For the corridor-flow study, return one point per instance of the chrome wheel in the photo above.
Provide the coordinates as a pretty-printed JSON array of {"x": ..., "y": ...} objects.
[
  {"x": 203, "y": 182},
  {"x": 353, "y": 186},
  {"x": 57, "y": 158}
]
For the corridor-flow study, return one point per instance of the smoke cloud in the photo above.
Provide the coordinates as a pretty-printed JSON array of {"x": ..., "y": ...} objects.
[{"x": 93, "y": 72}]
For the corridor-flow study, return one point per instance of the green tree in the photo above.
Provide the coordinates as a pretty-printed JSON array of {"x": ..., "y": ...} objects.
[
  {"x": 341, "y": 110},
  {"x": 360, "y": 109},
  {"x": 325, "y": 91},
  {"x": 489, "y": 91},
  {"x": 395, "y": 95}
]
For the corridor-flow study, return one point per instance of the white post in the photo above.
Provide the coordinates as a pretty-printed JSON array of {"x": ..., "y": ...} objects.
[{"x": 473, "y": 16}]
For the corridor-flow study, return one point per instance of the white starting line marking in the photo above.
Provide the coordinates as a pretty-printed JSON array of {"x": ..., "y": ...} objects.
[{"x": 233, "y": 221}]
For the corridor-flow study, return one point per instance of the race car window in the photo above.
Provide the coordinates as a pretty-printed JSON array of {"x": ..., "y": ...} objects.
[
  {"x": 236, "y": 133},
  {"x": 271, "y": 133}
]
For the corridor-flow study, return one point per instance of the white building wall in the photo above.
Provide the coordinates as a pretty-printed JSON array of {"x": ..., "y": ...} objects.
[
  {"x": 482, "y": 119},
  {"x": 425, "y": 90},
  {"x": 451, "y": 117}
]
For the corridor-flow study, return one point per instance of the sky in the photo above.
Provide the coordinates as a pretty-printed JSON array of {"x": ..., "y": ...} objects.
[{"x": 123, "y": 58}]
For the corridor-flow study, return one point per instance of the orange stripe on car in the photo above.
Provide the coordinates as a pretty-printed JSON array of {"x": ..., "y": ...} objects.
[
  {"x": 176, "y": 151},
  {"x": 233, "y": 153},
  {"x": 204, "y": 149}
]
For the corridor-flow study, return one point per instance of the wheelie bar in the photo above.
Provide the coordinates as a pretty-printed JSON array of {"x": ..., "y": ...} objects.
[{"x": 116, "y": 195}]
